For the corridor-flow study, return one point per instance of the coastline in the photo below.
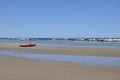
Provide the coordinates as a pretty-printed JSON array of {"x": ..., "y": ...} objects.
[
  {"x": 63, "y": 50},
  {"x": 14, "y": 68}
]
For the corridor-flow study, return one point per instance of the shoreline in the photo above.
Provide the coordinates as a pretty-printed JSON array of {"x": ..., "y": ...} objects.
[
  {"x": 12, "y": 68},
  {"x": 112, "y": 52}
]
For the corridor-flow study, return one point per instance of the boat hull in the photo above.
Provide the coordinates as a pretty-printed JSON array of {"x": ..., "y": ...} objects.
[{"x": 27, "y": 45}]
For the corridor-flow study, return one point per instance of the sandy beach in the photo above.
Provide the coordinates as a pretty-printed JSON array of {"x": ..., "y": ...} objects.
[
  {"x": 63, "y": 50},
  {"x": 12, "y": 68}
]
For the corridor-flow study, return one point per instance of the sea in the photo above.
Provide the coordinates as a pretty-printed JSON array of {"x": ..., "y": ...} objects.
[{"x": 47, "y": 42}]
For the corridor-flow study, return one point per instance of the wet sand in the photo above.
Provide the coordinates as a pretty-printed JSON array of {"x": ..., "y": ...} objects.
[
  {"x": 63, "y": 50},
  {"x": 12, "y": 68}
]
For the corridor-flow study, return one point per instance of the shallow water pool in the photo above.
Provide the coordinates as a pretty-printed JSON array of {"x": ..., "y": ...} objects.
[{"x": 87, "y": 60}]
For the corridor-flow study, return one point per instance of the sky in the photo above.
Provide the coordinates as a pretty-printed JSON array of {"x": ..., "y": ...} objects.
[{"x": 60, "y": 18}]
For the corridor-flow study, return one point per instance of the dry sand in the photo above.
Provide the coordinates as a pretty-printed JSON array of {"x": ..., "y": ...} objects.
[{"x": 12, "y": 68}]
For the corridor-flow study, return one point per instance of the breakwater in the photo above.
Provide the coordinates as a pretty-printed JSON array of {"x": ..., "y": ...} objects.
[{"x": 70, "y": 39}]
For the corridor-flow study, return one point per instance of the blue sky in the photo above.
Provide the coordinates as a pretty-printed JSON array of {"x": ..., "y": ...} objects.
[{"x": 59, "y": 18}]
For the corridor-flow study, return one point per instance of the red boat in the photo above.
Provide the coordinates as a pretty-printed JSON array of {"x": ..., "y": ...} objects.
[{"x": 27, "y": 45}]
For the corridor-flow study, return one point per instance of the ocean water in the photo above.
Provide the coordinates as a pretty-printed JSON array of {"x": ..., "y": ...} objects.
[
  {"x": 46, "y": 42},
  {"x": 77, "y": 59},
  {"x": 79, "y": 44}
]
